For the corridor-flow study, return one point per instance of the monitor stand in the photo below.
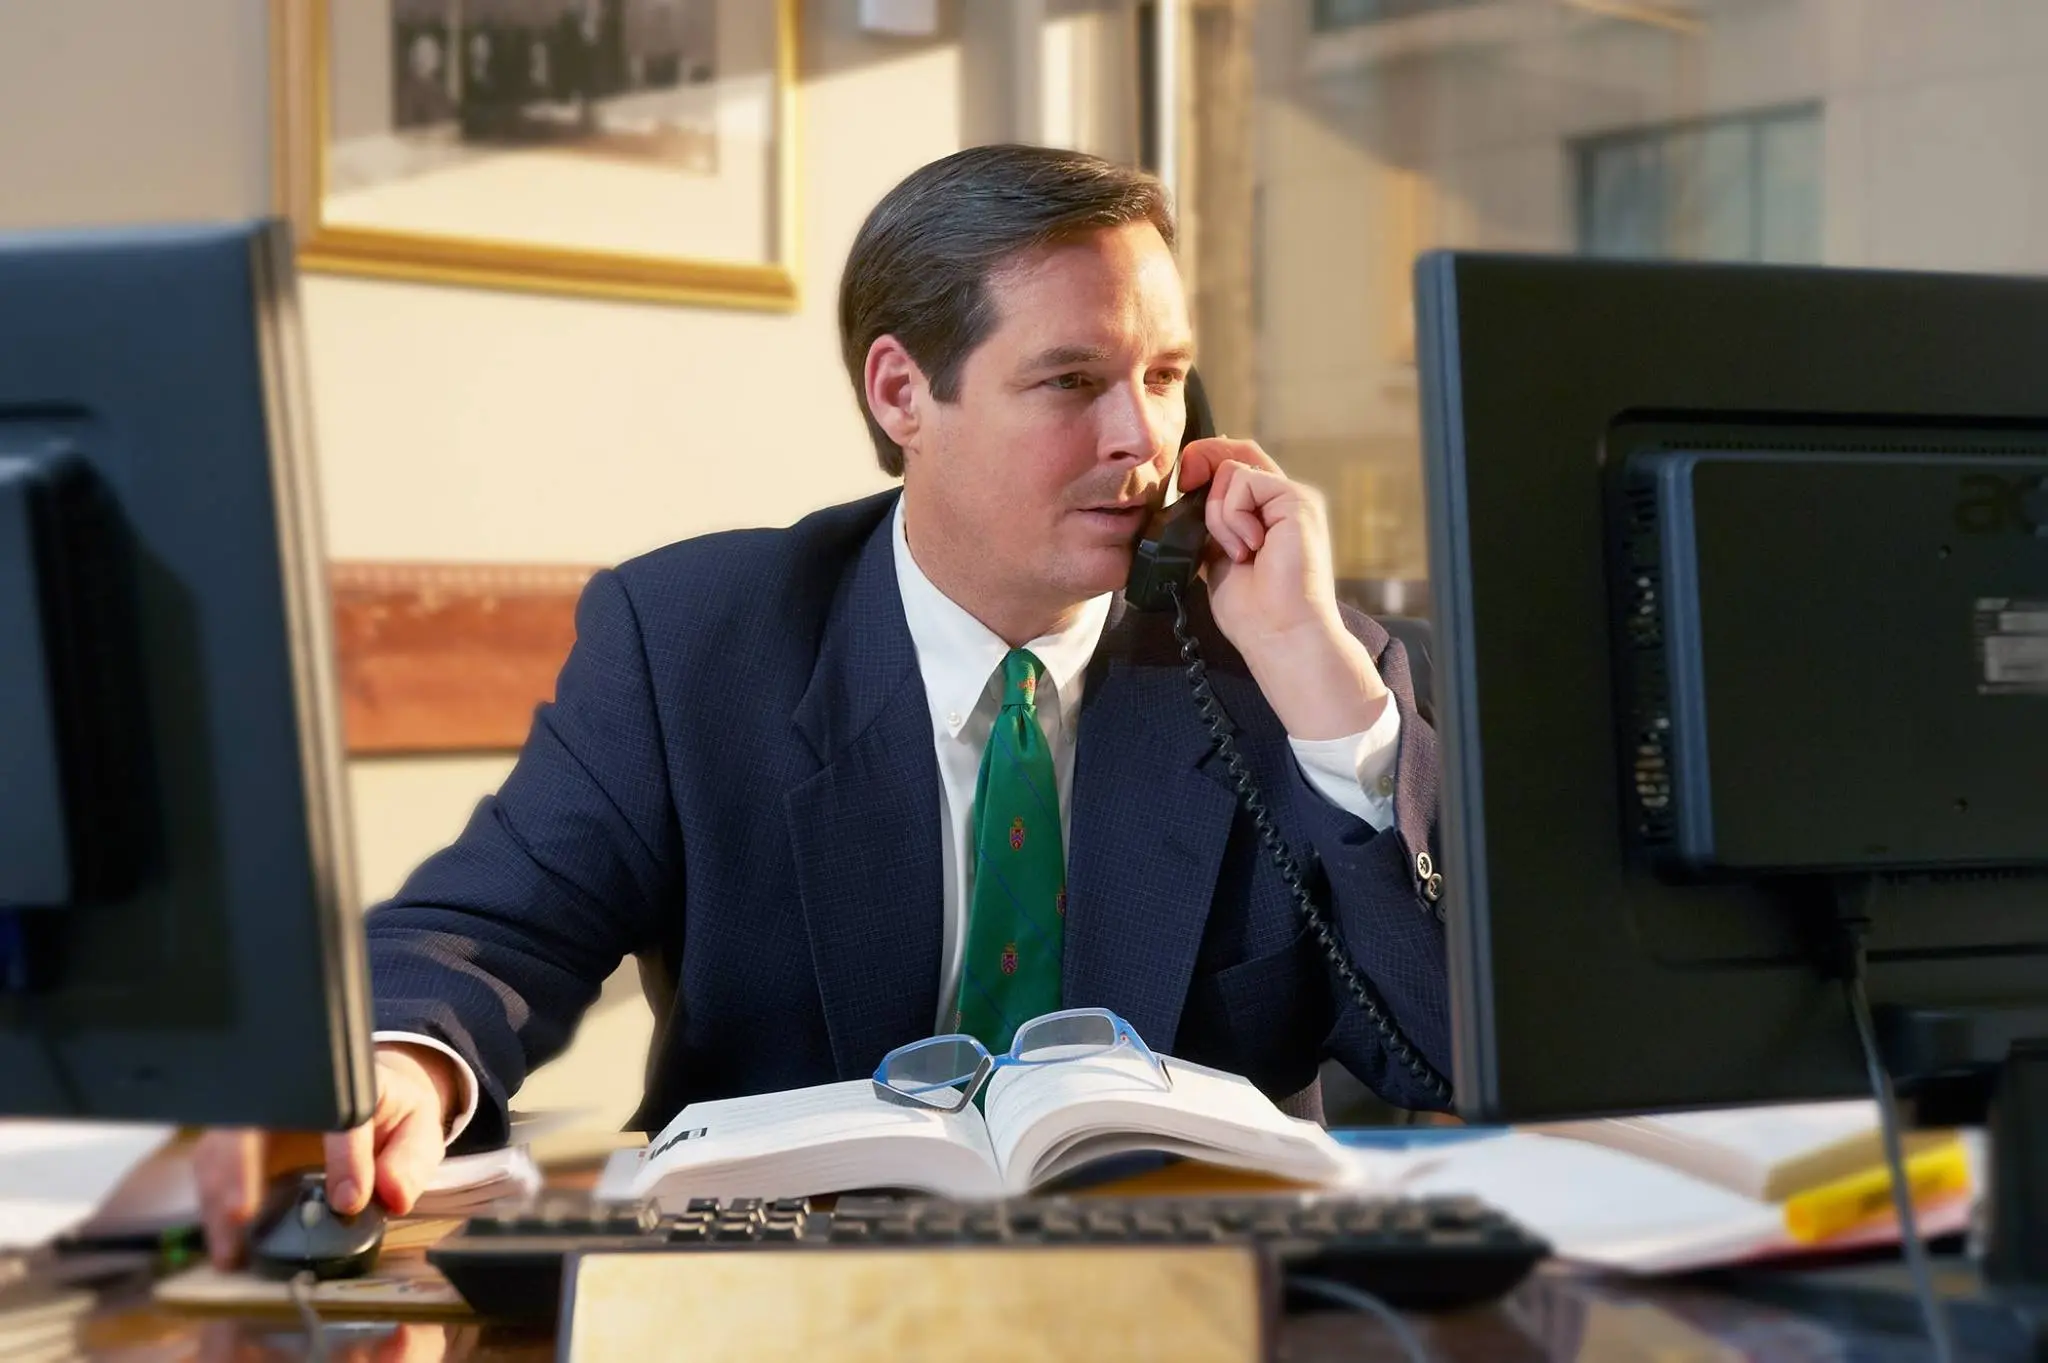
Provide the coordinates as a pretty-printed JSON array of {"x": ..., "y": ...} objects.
[{"x": 1996, "y": 1292}]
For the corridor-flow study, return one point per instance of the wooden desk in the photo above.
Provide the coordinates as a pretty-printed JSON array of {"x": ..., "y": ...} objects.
[{"x": 1555, "y": 1316}]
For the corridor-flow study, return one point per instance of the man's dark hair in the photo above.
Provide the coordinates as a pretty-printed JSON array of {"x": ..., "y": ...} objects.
[{"x": 919, "y": 269}]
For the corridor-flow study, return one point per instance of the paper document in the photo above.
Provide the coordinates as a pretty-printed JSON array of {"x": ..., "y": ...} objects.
[{"x": 54, "y": 1175}]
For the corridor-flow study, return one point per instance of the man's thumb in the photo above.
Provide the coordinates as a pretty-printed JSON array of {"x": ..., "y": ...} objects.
[{"x": 407, "y": 1159}]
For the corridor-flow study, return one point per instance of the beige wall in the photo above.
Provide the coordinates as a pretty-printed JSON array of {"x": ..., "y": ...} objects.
[{"x": 113, "y": 111}]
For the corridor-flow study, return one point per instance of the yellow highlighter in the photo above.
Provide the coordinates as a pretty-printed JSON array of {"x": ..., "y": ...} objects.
[{"x": 1938, "y": 1172}]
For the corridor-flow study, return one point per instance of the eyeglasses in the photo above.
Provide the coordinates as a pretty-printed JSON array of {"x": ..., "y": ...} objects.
[{"x": 945, "y": 1072}]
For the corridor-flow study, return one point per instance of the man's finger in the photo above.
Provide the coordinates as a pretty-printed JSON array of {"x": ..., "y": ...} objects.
[
  {"x": 1250, "y": 501},
  {"x": 351, "y": 1169},
  {"x": 228, "y": 1169},
  {"x": 406, "y": 1160}
]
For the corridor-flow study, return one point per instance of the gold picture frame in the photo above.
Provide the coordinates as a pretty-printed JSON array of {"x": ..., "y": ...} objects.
[{"x": 304, "y": 82}]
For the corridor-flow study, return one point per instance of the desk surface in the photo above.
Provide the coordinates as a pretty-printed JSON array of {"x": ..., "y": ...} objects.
[{"x": 1556, "y": 1316}]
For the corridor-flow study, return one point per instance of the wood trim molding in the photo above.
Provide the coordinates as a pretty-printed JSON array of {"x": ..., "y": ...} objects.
[{"x": 449, "y": 657}]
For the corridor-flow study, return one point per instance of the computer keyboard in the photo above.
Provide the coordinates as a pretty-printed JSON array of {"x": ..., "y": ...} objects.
[{"x": 1420, "y": 1253}]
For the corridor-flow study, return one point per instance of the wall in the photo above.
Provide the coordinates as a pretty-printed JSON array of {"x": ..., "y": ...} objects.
[{"x": 112, "y": 111}]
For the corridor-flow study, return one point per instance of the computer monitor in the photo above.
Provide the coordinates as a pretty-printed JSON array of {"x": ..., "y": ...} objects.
[
  {"x": 1741, "y": 592},
  {"x": 176, "y": 920}
]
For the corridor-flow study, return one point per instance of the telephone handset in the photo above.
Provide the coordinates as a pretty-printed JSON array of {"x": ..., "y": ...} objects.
[
  {"x": 1171, "y": 544},
  {"x": 1163, "y": 565}
]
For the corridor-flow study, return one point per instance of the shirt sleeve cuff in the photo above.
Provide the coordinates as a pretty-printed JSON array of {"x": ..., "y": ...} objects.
[
  {"x": 465, "y": 1077},
  {"x": 1356, "y": 772}
]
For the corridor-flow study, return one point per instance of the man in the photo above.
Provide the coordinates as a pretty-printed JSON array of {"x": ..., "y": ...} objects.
[{"x": 910, "y": 765}]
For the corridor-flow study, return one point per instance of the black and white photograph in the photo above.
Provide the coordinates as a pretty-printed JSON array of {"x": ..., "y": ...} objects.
[
  {"x": 618, "y": 134},
  {"x": 625, "y": 78}
]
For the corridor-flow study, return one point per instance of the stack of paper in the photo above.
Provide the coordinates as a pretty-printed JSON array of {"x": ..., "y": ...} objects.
[
  {"x": 54, "y": 1175},
  {"x": 466, "y": 1184}
]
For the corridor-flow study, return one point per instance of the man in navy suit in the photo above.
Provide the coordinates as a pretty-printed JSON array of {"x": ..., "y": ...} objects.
[{"x": 759, "y": 771}]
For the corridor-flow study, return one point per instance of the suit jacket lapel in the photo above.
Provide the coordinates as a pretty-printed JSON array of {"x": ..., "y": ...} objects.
[
  {"x": 864, "y": 828},
  {"x": 1149, "y": 831}
]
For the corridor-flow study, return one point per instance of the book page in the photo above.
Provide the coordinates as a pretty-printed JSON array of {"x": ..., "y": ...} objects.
[
  {"x": 826, "y": 1139},
  {"x": 1048, "y": 1120},
  {"x": 1766, "y": 1152}
]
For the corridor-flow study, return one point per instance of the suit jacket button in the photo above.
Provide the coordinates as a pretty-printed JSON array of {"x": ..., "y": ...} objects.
[
  {"x": 1433, "y": 888},
  {"x": 1424, "y": 867}
]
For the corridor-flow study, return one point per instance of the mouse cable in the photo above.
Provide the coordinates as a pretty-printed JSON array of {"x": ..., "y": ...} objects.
[
  {"x": 301, "y": 1288},
  {"x": 1344, "y": 1294}
]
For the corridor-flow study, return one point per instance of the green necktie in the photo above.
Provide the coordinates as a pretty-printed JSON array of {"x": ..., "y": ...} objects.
[{"x": 1018, "y": 896}]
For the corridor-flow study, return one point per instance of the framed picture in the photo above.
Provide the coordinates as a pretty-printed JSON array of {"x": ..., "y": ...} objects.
[{"x": 626, "y": 148}]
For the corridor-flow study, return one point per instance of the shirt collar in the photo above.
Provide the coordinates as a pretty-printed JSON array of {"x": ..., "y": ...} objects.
[{"x": 958, "y": 655}]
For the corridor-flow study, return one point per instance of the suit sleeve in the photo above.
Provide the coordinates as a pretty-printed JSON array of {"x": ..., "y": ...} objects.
[
  {"x": 497, "y": 945},
  {"x": 1396, "y": 936}
]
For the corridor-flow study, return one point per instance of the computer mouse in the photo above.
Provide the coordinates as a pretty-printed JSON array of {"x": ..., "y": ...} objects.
[{"x": 297, "y": 1232}]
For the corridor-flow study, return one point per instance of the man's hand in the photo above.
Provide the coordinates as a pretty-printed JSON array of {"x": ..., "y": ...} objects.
[
  {"x": 391, "y": 1156},
  {"x": 1274, "y": 594}
]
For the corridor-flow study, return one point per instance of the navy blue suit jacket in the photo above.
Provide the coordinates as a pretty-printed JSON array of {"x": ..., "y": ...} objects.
[{"x": 736, "y": 782}]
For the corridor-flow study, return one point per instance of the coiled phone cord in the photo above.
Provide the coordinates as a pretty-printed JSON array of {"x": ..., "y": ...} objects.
[{"x": 1254, "y": 803}]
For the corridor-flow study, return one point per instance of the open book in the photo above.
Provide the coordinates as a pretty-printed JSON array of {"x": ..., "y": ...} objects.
[
  {"x": 1765, "y": 1153},
  {"x": 1042, "y": 1122}
]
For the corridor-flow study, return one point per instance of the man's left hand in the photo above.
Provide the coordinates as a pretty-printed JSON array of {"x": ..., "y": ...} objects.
[{"x": 1274, "y": 594}]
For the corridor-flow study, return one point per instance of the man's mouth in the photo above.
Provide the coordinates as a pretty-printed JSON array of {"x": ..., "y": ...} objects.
[{"x": 1121, "y": 514}]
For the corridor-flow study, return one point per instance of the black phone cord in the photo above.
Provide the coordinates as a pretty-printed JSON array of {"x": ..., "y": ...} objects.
[{"x": 1253, "y": 802}]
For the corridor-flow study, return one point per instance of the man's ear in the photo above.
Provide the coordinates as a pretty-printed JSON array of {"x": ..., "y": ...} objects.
[{"x": 896, "y": 390}]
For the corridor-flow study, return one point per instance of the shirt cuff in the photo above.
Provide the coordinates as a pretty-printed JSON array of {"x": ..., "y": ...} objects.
[
  {"x": 1356, "y": 772},
  {"x": 464, "y": 1075}
]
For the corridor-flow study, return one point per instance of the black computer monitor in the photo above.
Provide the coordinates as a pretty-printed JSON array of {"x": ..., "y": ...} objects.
[
  {"x": 176, "y": 924},
  {"x": 1741, "y": 592}
]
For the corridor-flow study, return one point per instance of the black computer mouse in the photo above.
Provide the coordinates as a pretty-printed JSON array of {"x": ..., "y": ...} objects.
[{"x": 297, "y": 1232}]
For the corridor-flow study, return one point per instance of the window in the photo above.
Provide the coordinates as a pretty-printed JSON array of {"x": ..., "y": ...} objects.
[
  {"x": 1871, "y": 133},
  {"x": 1334, "y": 14},
  {"x": 1741, "y": 187}
]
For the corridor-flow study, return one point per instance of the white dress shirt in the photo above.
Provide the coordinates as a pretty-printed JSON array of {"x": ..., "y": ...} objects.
[{"x": 961, "y": 662}]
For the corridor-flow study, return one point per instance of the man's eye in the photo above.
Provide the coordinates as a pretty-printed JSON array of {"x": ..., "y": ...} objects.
[
  {"x": 1167, "y": 378},
  {"x": 1070, "y": 383}
]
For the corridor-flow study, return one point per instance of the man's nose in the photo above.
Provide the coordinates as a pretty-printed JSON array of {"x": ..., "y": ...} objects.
[{"x": 1134, "y": 425}]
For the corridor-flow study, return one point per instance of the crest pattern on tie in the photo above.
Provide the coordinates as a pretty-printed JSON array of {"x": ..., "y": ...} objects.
[{"x": 1018, "y": 893}]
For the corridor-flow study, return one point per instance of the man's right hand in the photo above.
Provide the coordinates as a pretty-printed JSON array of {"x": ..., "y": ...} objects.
[{"x": 391, "y": 1156}]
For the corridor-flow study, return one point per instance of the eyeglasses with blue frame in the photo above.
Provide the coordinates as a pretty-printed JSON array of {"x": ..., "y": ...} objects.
[{"x": 944, "y": 1073}]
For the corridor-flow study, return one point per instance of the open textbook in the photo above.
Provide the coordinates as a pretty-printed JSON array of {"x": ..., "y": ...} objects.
[
  {"x": 1042, "y": 1122},
  {"x": 1765, "y": 1153}
]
